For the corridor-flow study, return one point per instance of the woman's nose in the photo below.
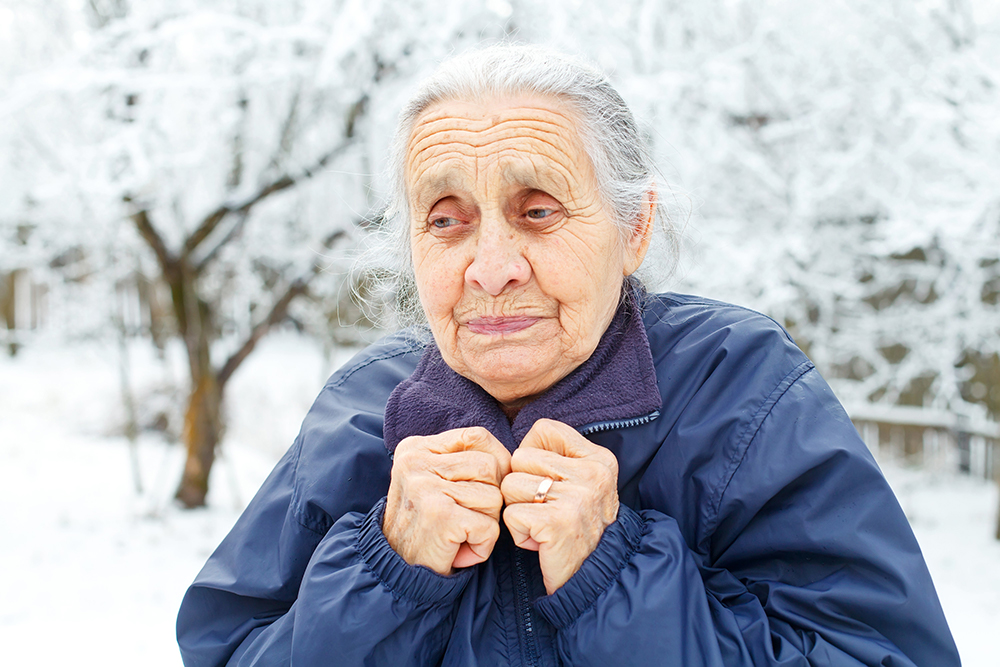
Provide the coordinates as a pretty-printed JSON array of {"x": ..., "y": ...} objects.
[{"x": 499, "y": 263}]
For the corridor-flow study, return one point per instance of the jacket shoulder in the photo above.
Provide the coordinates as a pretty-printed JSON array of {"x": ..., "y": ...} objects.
[
  {"x": 671, "y": 317},
  {"x": 720, "y": 369},
  {"x": 708, "y": 341},
  {"x": 399, "y": 346}
]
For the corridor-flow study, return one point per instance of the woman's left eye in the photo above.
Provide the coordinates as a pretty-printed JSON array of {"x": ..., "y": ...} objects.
[{"x": 539, "y": 213}]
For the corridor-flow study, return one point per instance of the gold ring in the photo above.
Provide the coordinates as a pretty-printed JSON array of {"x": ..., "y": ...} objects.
[{"x": 543, "y": 490}]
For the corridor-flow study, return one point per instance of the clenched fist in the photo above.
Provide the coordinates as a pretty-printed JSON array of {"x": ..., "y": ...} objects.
[
  {"x": 580, "y": 504},
  {"x": 444, "y": 501}
]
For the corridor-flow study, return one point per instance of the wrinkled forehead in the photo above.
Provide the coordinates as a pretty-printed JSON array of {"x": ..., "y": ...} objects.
[{"x": 531, "y": 141}]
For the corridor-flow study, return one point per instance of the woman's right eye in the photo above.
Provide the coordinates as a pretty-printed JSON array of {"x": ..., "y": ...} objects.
[
  {"x": 444, "y": 223},
  {"x": 447, "y": 217}
]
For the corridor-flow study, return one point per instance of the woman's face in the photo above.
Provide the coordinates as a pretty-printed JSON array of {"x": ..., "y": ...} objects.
[{"x": 518, "y": 265}]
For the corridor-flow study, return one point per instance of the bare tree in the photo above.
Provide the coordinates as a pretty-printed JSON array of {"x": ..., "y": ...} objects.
[{"x": 196, "y": 317}]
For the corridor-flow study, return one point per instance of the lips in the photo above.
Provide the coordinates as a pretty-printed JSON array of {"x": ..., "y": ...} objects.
[{"x": 499, "y": 326}]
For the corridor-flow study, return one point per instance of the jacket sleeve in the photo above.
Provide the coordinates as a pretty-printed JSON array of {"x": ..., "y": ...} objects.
[
  {"x": 357, "y": 603},
  {"x": 810, "y": 560},
  {"x": 360, "y": 604}
]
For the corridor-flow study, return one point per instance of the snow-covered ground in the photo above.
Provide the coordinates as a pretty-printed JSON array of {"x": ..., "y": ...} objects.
[{"x": 92, "y": 572}]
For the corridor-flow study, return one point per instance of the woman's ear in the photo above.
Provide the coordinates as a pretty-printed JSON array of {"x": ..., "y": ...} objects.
[{"x": 642, "y": 233}]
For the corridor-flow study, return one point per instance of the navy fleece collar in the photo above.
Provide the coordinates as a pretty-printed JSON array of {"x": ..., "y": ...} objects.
[{"x": 616, "y": 383}]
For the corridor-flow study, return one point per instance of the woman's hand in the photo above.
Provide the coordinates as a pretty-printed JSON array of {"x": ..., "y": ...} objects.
[
  {"x": 444, "y": 501},
  {"x": 580, "y": 504}
]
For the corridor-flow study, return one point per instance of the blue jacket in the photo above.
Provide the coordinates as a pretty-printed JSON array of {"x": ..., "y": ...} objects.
[{"x": 755, "y": 528}]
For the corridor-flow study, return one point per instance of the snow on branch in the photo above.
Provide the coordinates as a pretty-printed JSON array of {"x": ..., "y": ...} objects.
[{"x": 278, "y": 312}]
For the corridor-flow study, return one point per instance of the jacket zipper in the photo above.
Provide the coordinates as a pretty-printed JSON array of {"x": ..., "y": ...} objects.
[
  {"x": 522, "y": 594},
  {"x": 597, "y": 427},
  {"x": 522, "y": 603}
]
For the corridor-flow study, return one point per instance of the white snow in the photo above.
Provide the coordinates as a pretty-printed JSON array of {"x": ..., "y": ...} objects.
[{"x": 93, "y": 572}]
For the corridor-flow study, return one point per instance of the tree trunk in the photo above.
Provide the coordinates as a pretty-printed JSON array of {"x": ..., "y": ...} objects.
[
  {"x": 203, "y": 417},
  {"x": 202, "y": 433},
  {"x": 998, "y": 522},
  {"x": 996, "y": 478}
]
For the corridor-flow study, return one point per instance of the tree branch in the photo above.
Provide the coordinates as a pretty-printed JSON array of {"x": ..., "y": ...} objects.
[
  {"x": 149, "y": 234},
  {"x": 278, "y": 312},
  {"x": 285, "y": 140},
  {"x": 211, "y": 222},
  {"x": 233, "y": 232}
]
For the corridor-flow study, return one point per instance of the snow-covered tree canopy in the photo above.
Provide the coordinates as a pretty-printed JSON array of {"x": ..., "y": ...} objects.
[{"x": 834, "y": 165}]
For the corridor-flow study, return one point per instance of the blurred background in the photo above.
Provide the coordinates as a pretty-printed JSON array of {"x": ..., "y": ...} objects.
[{"x": 185, "y": 186}]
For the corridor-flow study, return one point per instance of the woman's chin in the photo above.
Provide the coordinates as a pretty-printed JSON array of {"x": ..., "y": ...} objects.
[
  {"x": 514, "y": 367},
  {"x": 513, "y": 377}
]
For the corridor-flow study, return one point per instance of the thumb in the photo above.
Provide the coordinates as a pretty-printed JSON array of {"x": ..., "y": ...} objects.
[{"x": 559, "y": 438}]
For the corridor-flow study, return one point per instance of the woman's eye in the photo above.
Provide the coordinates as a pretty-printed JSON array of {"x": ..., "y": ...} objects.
[
  {"x": 444, "y": 223},
  {"x": 539, "y": 213}
]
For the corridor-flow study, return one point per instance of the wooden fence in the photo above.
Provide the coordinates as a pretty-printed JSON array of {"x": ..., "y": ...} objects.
[
  {"x": 33, "y": 302},
  {"x": 931, "y": 439}
]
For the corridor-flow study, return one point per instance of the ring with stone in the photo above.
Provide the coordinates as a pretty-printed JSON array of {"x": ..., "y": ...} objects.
[{"x": 543, "y": 490}]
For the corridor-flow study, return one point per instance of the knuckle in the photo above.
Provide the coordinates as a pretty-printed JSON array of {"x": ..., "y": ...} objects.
[
  {"x": 603, "y": 469},
  {"x": 410, "y": 457},
  {"x": 517, "y": 458},
  {"x": 551, "y": 423},
  {"x": 473, "y": 434},
  {"x": 591, "y": 470},
  {"x": 508, "y": 484},
  {"x": 408, "y": 445}
]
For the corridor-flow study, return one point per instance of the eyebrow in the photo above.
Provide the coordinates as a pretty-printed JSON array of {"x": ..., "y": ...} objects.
[
  {"x": 437, "y": 185},
  {"x": 526, "y": 177},
  {"x": 545, "y": 178}
]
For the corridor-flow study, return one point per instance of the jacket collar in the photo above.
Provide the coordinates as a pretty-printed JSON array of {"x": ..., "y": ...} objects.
[{"x": 616, "y": 384}]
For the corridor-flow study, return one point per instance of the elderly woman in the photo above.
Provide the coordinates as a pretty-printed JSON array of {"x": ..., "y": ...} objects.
[{"x": 572, "y": 471}]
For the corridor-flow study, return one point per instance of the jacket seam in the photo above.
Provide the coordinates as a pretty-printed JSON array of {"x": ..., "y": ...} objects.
[
  {"x": 409, "y": 348},
  {"x": 750, "y": 433},
  {"x": 296, "y": 512}
]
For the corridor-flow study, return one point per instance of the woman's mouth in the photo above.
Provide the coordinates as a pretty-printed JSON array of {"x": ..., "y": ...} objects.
[{"x": 498, "y": 326}]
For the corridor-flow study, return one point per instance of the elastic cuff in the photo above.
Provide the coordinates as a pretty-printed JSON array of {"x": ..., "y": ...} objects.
[
  {"x": 413, "y": 582},
  {"x": 597, "y": 573}
]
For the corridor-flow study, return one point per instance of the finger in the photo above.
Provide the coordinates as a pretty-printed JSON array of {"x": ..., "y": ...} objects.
[
  {"x": 476, "y": 496},
  {"x": 466, "y": 556},
  {"x": 543, "y": 463},
  {"x": 432, "y": 535},
  {"x": 441, "y": 529},
  {"x": 519, "y": 487},
  {"x": 473, "y": 438},
  {"x": 547, "y": 435},
  {"x": 528, "y": 524},
  {"x": 558, "y": 437},
  {"x": 481, "y": 536},
  {"x": 479, "y": 439},
  {"x": 466, "y": 466},
  {"x": 535, "y": 526}
]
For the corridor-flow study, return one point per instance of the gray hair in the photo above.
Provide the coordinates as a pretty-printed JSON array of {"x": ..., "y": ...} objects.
[{"x": 623, "y": 166}]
